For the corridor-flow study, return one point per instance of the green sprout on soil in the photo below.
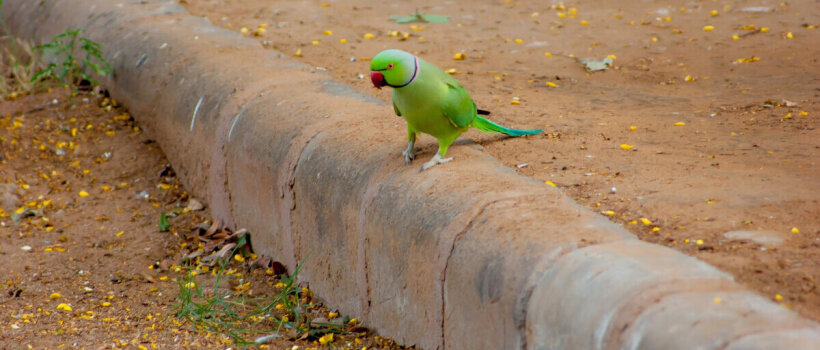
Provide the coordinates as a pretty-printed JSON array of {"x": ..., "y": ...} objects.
[
  {"x": 65, "y": 66},
  {"x": 163, "y": 224},
  {"x": 420, "y": 17},
  {"x": 248, "y": 320}
]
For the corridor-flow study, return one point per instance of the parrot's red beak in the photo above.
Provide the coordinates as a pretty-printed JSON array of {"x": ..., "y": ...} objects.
[{"x": 377, "y": 79}]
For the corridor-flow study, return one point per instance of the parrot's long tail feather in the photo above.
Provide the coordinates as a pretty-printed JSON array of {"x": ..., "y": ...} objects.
[{"x": 483, "y": 124}]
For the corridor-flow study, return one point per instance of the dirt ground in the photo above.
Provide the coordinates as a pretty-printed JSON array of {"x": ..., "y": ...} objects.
[
  {"x": 84, "y": 262},
  {"x": 702, "y": 137}
]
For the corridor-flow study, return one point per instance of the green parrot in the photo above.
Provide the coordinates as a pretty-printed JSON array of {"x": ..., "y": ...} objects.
[{"x": 431, "y": 101}]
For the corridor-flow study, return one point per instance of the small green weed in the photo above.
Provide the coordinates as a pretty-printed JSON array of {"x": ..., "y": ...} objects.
[
  {"x": 420, "y": 17},
  {"x": 65, "y": 66},
  {"x": 244, "y": 319}
]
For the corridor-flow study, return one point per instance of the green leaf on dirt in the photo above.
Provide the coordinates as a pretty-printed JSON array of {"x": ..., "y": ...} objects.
[
  {"x": 164, "y": 225},
  {"x": 420, "y": 17},
  {"x": 596, "y": 64}
]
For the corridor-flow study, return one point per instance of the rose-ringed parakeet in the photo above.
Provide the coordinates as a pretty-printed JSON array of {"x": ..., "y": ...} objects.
[{"x": 431, "y": 101}]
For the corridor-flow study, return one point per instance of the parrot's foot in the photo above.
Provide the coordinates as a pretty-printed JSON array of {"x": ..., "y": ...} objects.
[
  {"x": 436, "y": 160},
  {"x": 408, "y": 154}
]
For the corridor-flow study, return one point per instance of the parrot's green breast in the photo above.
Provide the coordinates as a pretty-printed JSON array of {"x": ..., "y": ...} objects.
[{"x": 434, "y": 103}]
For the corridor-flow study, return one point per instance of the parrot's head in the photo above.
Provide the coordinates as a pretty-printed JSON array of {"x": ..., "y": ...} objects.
[{"x": 394, "y": 68}]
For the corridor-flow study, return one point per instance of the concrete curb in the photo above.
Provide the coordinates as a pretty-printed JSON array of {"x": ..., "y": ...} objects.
[{"x": 441, "y": 260}]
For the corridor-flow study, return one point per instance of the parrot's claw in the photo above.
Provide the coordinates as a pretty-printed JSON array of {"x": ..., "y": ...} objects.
[
  {"x": 436, "y": 160},
  {"x": 408, "y": 154}
]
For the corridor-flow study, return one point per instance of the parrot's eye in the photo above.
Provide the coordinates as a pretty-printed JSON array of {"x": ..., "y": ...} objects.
[{"x": 389, "y": 66}]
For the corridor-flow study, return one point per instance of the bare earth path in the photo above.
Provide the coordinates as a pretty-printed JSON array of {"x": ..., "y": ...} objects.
[{"x": 707, "y": 124}]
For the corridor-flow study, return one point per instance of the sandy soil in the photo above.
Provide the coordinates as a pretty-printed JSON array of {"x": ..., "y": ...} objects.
[
  {"x": 706, "y": 125},
  {"x": 84, "y": 262}
]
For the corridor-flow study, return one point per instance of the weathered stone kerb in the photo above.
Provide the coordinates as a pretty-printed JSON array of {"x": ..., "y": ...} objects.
[{"x": 464, "y": 256}]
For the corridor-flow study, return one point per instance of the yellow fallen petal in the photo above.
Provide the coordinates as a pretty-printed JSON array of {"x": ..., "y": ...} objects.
[
  {"x": 64, "y": 307},
  {"x": 764, "y": 29},
  {"x": 790, "y": 35},
  {"x": 328, "y": 33},
  {"x": 83, "y": 194},
  {"x": 548, "y": 54},
  {"x": 680, "y": 124},
  {"x": 795, "y": 230},
  {"x": 626, "y": 146},
  {"x": 368, "y": 36},
  {"x": 239, "y": 258},
  {"x": 519, "y": 41},
  {"x": 645, "y": 221},
  {"x": 633, "y": 128},
  {"x": 608, "y": 212},
  {"x": 735, "y": 37},
  {"x": 699, "y": 242},
  {"x": 459, "y": 56},
  {"x": 656, "y": 229},
  {"x": 717, "y": 300},
  {"x": 708, "y": 28},
  {"x": 548, "y": 182},
  {"x": 551, "y": 84},
  {"x": 55, "y": 296},
  {"x": 778, "y": 297},
  {"x": 331, "y": 315}
]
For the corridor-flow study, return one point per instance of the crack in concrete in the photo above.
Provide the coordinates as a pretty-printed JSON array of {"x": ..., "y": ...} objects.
[{"x": 469, "y": 225}]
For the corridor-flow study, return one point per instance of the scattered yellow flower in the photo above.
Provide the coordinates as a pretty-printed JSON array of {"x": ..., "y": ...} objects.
[
  {"x": 328, "y": 33},
  {"x": 106, "y": 304},
  {"x": 298, "y": 53},
  {"x": 699, "y": 242},
  {"x": 548, "y": 182},
  {"x": 551, "y": 84},
  {"x": 608, "y": 212},
  {"x": 633, "y": 128},
  {"x": 55, "y": 296},
  {"x": 451, "y": 71},
  {"x": 368, "y": 36},
  {"x": 708, "y": 28},
  {"x": 64, "y": 307},
  {"x": 459, "y": 56},
  {"x": 646, "y": 222},
  {"x": 735, "y": 37},
  {"x": 688, "y": 78},
  {"x": 244, "y": 30},
  {"x": 331, "y": 315},
  {"x": 764, "y": 29},
  {"x": 795, "y": 230},
  {"x": 714, "y": 13},
  {"x": 83, "y": 194},
  {"x": 626, "y": 146},
  {"x": 778, "y": 297},
  {"x": 342, "y": 40},
  {"x": 548, "y": 54},
  {"x": 519, "y": 41},
  {"x": 239, "y": 258},
  {"x": 326, "y": 339},
  {"x": 717, "y": 300},
  {"x": 656, "y": 229},
  {"x": 680, "y": 124},
  {"x": 789, "y": 35},
  {"x": 584, "y": 22}
]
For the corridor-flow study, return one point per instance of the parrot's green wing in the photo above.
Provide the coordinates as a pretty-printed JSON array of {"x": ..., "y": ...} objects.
[
  {"x": 396, "y": 109},
  {"x": 457, "y": 105}
]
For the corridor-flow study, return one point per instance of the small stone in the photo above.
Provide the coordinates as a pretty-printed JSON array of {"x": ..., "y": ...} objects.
[{"x": 194, "y": 205}]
